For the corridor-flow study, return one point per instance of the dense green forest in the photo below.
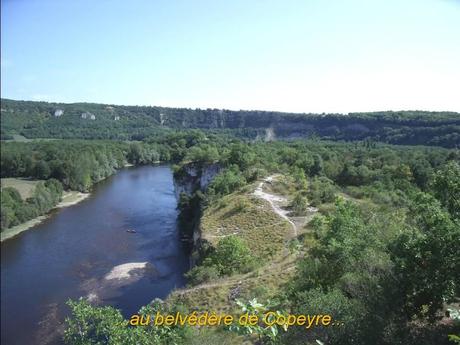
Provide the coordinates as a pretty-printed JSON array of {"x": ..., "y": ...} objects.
[
  {"x": 381, "y": 254},
  {"x": 74, "y": 165},
  {"x": 99, "y": 121}
]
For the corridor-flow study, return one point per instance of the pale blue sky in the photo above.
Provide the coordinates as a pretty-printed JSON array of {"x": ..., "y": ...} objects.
[{"x": 302, "y": 56}]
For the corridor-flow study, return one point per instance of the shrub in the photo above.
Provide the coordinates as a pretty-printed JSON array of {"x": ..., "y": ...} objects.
[
  {"x": 202, "y": 274},
  {"x": 299, "y": 205},
  {"x": 232, "y": 255},
  {"x": 227, "y": 182},
  {"x": 321, "y": 190}
]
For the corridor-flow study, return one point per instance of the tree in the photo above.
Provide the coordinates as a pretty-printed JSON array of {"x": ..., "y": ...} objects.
[
  {"x": 321, "y": 190},
  {"x": 241, "y": 156},
  {"x": 299, "y": 205},
  {"x": 300, "y": 179},
  {"x": 90, "y": 325},
  {"x": 232, "y": 255},
  {"x": 426, "y": 259},
  {"x": 317, "y": 167},
  {"x": 348, "y": 312},
  {"x": 227, "y": 181},
  {"x": 421, "y": 171},
  {"x": 446, "y": 187},
  {"x": 42, "y": 170}
]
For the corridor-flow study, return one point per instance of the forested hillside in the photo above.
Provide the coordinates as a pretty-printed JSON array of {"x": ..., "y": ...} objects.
[{"x": 100, "y": 121}]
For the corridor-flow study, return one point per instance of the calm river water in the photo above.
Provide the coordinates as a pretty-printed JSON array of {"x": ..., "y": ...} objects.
[{"x": 75, "y": 251}]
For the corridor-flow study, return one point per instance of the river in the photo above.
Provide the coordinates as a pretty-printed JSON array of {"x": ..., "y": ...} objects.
[{"x": 76, "y": 251}]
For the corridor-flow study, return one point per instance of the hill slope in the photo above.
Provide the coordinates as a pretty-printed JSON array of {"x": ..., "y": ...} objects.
[{"x": 101, "y": 121}]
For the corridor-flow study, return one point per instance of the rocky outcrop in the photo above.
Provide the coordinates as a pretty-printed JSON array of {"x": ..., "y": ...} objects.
[
  {"x": 188, "y": 180},
  {"x": 195, "y": 176},
  {"x": 88, "y": 115}
]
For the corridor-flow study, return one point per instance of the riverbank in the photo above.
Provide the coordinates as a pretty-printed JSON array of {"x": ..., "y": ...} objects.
[
  {"x": 71, "y": 198},
  {"x": 86, "y": 251},
  {"x": 68, "y": 199}
]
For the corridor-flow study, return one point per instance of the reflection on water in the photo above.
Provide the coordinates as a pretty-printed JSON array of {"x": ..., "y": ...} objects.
[{"x": 85, "y": 250}]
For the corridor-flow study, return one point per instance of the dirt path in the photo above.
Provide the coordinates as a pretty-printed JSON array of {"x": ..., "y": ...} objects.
[{"x": 276, "y": 202}]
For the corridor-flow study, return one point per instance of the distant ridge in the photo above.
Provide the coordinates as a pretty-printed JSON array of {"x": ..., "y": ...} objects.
[{"x": 71, "y": 120}]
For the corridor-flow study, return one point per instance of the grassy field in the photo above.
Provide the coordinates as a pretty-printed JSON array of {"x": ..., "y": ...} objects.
[
  {"x": 250, "y": 218},
  {"x": 25, "y": 187},
  {"x": 267, "y": 235}
]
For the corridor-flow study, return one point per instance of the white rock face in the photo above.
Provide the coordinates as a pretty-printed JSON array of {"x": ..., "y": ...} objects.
[
  {"x": 58, "y": 113},
  {"x": 269, "y": 134},
  {"x": 88, "y": 115},
  {"x": 197, "y": 177},
  {"x": 207, "y": 175}
]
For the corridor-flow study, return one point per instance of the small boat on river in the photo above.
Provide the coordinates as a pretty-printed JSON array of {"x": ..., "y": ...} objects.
[{"x": 131, "y": 231}]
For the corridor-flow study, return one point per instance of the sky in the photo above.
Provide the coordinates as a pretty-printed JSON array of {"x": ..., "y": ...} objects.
[{"x": 298, "y": 56}]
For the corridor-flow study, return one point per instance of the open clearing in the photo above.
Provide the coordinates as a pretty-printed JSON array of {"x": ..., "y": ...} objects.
[
  {"x": 21, "y": 138},
  {"x": 25, "y": 187}
]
